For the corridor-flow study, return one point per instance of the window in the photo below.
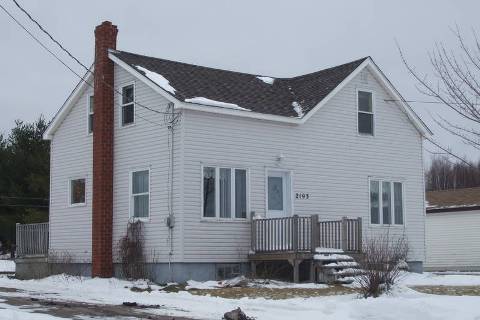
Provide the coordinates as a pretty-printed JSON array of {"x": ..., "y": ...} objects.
[
  {"x": 140, "y": 194},
  {"x": 77, "y": 192},
  {"x": 128, "y": 105},
  {"x": 90, "y": 114},
  {"x": 224, "y": 193},
  {"x": 386, "y": 202},
  {"x": 365, "y": 112}
]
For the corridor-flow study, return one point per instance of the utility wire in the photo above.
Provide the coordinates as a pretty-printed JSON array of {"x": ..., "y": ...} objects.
[
  {"x": 423, "y": 101},
  {"x": 67, "y": 52}
]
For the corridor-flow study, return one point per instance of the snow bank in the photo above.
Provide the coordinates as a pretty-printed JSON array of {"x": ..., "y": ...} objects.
[
  {"x": 402, "y": 303},
  {"x": 267, "y": 80},
  {"x": 158, "y": 79},
  {"x": 215, "y": 103},
  {"x": 7, "y": 266},
  {"x": 432, "y": 279}
]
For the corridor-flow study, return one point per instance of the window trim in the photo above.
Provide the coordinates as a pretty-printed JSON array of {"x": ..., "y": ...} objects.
[
  {"x": 121, "y": 104},
  {"x": 392, "y": 202},
  {"x": 217, "y": 217},
  {"x": 365, "y": 112},
  {"x": 69, "y": 194},
  {"x": 89, "y": 113},
  {"x": 130, "y": 194}
]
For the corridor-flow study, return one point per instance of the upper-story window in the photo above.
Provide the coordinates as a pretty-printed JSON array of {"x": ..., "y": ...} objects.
[
  {"x": 386, "y": 202},
  {"x": 128, "y": 105},
  {"x": 365, "y": 112},
  {"x": 90, "y": 114}
]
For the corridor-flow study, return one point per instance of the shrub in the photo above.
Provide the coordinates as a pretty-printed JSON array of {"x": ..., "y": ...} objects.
[{"x": 382, "y": 262}]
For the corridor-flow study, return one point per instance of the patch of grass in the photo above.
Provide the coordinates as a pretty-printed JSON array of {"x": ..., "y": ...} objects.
[
  {"x": 449, "y": 290},
  {"x": 174, "y": 288},
  {"x": 273, "y": 293}
]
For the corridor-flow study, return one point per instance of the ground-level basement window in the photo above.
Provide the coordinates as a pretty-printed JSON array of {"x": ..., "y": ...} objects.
[
  {"x": 77, "y": 192},
  {"x": 128, "y": 105},
  {"x": 224, "y": 193},
  {"x": 140, "y": 194},
  {"x": 386, "y": 202}
]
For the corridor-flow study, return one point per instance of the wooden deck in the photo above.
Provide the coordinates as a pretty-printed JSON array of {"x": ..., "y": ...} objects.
[{"x": 295, "y": 239}]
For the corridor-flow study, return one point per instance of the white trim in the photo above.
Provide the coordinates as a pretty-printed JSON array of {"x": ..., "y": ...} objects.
[
  {"x": 130, "y": 195},
  {"x": 69, "y": 195},
  {"x": 89, "y": 113},
  {"x": 68, "y": 105},
  {"x": 134, "y": 72},
  {"x": 289, "y": 197},
  {"x": 392, "y": 202},
  {"x": 365, "y": 112},
  {"x": 121, "y": 104},
  {"x": 232, "y": 217}
]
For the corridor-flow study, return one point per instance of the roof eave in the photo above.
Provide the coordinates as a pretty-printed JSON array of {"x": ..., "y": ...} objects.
[{"x": 68, "y": 105}]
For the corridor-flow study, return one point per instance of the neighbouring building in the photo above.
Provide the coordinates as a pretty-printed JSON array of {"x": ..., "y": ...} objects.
[{"x": 453, "y": 230}]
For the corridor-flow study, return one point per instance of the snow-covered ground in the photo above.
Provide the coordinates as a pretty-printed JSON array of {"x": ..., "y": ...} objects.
[
  {"x": 7, "y": 266},
  {"x": 402, "y": 303}
]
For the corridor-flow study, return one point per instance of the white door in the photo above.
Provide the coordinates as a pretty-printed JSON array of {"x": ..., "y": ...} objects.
[{"x": 278, "y": 194}]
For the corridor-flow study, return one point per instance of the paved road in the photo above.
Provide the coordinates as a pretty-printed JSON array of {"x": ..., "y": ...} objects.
[{"x": 63, "y": 309}]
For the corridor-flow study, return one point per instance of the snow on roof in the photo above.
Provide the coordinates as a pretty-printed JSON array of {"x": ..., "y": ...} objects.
[
  {"x": 267, "y": 80},
  {"x": 158, "y": 79},
  {"x": 215, "y": 103},
  {"x": 298, "y": 108}
]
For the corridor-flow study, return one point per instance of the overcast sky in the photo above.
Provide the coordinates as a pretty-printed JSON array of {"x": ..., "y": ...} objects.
[{"x": 277, "y": 38}]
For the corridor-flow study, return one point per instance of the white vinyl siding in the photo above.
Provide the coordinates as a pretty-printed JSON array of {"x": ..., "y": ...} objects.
[
  {"x": 328, "y": 159},
  {"x": 70, "y": 226},
  {"x": 453, "y": 241}
]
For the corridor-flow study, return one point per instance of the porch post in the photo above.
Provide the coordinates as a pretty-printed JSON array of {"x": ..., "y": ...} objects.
[
  {"x": 253, "y": 236},
  {"x": 344, "y": 234},
  {"x": 359, "y": 235},
  {"x": 314, "y": 232},
  {"x": 295, "y": 232}
]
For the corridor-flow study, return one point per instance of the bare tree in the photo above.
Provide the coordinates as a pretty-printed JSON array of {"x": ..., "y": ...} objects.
[
  {"x": 456, "y": 84},
  {"x": 444, "y": 174}
]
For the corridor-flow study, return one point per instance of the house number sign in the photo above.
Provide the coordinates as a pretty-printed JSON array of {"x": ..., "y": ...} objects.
[{"x": 302, "y": 196}]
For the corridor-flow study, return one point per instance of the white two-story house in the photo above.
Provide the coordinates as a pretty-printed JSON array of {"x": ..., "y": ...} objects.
[{"x": 198, "y": 153}]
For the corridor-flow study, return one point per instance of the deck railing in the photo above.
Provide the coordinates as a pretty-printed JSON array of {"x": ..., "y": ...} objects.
[
  {"x": 32, "y": 239},
  {"x": 305, "y": 233}
]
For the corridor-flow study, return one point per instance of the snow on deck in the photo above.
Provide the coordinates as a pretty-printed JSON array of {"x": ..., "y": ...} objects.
[
  {"x": 328, "y": 250},
  {"x": 215, "y": 103},
  {"x": 158, "y": 79}
]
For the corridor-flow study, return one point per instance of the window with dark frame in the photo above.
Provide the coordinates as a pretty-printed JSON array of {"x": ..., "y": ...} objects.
[
  {"x": 365, "y": 112},
  {"x": 128, "y": 105},
  {"x": 224, "y": 193},
  {"x": 77, "y": 191}
]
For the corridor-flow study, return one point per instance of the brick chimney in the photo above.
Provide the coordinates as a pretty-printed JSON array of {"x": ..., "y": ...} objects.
[{"x": 102, "y": 206}]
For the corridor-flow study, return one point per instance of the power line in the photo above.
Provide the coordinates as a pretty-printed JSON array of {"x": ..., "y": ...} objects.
[
  {"x": 423, "y": 101},
  {"x": 66, "y": 51}
]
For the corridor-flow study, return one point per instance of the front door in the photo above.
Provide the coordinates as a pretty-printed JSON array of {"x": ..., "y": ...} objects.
[{"x": 278, "y": 194}]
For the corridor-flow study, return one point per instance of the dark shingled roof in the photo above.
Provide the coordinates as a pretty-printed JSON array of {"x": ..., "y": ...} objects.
[
  {"x": 242, "y": 89},
  {"x": 453, "y": 200}
]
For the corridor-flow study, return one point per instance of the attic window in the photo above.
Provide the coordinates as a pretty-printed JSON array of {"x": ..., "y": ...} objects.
[
  {"x": 365, "y": 112},
  {"x": 128, "y": 105}
]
